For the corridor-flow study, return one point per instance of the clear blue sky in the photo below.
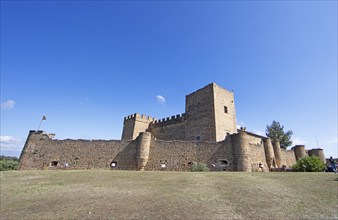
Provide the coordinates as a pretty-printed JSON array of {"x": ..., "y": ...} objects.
[{"x": 87, "y": 64}]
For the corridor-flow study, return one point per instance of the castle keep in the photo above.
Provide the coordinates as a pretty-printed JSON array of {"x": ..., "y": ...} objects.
[
  {"x": 205, "y": 133},
  {"x": 209, "y": 116}
]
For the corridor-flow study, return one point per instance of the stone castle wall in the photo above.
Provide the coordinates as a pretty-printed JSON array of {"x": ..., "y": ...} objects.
[
  {"x": 179, "y": 155},
  {"x": 40, "y": 151},
  {"x": 205, "y": 133},
  {"x": 238, "y": 152},
  {"x": 143, "y": 153},
  {"x": 225, "y": 112},
  {"x": 170, "y": 128},
  {"x": 200, "y": 115},
  {"x": 169, "y": 132},
  {"x": 210, "y": 115},
  {"x": 317, "y": 152},
  {"x": 288, "y": 156},
  {"x": 254, "y": 138},
  {"x": 128, "y": 128},
  {"x": 134, "y": 124}
]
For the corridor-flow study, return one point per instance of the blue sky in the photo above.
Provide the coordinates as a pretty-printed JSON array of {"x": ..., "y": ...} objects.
[{"x": 87, "y": 64}]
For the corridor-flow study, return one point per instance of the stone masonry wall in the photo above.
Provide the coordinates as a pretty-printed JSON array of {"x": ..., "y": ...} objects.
[
  {"x": 179, "y": 155},
  {"x": 258, "y": 157},
  {"x": 134, "y": 124},
  {"x": 225, "y": 113},
  {"x": 141, "y": 124},
  {"x": 40, "y": 151},
  {"x": 43, "y": 152},
  {"x": 254, "y": 139},
  {"x": 210, "y": 115},
  {"x": 169, "y": 132},
  {"x": 128, "y": 128},
  {"x": 289, "y": 157},
  {"x": 200, "y": 115}
]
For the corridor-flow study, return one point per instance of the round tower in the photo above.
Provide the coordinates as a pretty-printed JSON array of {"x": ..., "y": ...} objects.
[
  {"x": 240, "y": 147},
  {"x": 278, "y": 153},
  {"x": 269, "y": 154},
  {"x": 143, "y": 150},
  {"x": 319, "y": 153},
  {"x": 299, "y": 151}
]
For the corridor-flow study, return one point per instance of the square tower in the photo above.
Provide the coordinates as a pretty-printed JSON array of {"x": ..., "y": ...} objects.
[
  {"x": 134, "y": 124},
  {"x": 210, "y": 114}
]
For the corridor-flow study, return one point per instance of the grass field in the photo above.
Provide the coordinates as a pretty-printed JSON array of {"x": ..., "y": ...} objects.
[{"x": 101, "y": 194}]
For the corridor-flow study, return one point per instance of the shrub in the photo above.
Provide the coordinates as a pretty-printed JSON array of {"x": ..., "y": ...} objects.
[
  {"x": 8, "y": 165},
  {"x": 199, "y": 167},
  {"x": 309, "y": 164}
]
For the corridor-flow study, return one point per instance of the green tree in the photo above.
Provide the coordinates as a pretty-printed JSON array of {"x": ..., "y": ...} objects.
[
  {"x": 309, "y": 164},
  {"x": 8, "y": 165},
  {"x": 276, "y": 132}
]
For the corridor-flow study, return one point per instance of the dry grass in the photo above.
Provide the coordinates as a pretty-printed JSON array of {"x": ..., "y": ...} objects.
[{"x": 102, "y": 194}]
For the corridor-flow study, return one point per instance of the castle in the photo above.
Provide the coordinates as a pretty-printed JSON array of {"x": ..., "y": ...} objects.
[
  {"x": 206, "y": 133},
  {"x": 209, "y": 116}
]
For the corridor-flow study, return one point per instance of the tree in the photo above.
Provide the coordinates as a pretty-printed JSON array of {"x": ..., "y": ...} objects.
[
  {"x": 276, "y": 132},
  {"x": 8, "y": 164},
  {"x": 309, "y": 164}
]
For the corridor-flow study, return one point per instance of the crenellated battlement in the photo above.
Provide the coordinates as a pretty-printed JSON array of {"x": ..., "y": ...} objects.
[
  {"x": 168, "y": 120},
  {"x": 138, "y": 116}
]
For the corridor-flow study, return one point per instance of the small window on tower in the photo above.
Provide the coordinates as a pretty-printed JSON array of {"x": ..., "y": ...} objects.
[{"x": 225, "y": 109}]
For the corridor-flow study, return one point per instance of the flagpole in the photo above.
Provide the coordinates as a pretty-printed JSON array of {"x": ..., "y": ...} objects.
[
  {"x": 43, "y": 118},
  {"x": 317, "y": 142}
]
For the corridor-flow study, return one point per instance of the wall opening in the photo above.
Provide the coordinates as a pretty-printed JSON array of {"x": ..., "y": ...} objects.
[
  {"x": 198, "y": 138},
  {"x": 225, "y": 162},
  {"x": 225, "y": 109},
  {"x": 113, "y": 164},
  {"x": 54, "y": 163}
]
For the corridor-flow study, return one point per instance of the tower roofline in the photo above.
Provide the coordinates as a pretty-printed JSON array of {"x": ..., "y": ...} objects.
[{"x": 213, "y": 84}]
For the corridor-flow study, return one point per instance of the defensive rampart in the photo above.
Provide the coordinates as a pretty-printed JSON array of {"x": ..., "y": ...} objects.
[
  {"x": 42, "y": 152},
  {"x": 238, "y": 152},
  {"x": 170, "y": 128},
  {"x": 175, "y": 119}
]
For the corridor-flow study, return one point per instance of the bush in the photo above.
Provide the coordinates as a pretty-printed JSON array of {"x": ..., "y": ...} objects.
[
  {"x": 8, "y": 165},
  {"x": 309, "y": 164},
  {"x": 199, "y": 167}
]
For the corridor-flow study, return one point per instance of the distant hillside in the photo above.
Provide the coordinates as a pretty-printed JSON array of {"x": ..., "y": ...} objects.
[{"x": 2, "y": 157}]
